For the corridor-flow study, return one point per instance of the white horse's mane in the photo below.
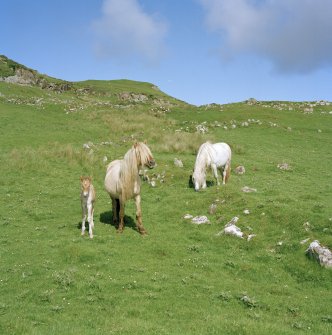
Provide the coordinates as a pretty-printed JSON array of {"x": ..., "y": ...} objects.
[{"x": 204, "y": 151}]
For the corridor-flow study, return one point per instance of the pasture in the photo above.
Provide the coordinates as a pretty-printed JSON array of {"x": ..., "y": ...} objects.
[{"x": 181, "y": 278}]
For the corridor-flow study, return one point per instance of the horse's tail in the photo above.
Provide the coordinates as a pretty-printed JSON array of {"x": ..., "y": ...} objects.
[{"x": 228, "y": 170}]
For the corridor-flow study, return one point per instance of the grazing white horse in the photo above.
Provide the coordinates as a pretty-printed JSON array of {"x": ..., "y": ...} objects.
[
  {"x": 122, "y": 182},
  {"x": 88, "y": 197},
  {"x": 217, "y": 156}
]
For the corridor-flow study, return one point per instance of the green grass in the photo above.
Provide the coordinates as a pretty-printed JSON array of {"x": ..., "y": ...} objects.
[{"x": 181, "y": 278}]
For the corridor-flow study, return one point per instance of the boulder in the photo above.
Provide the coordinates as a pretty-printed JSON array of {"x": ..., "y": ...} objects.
[
  {"x": 322, "y": 254},
  {"x": 178, "y": 162},
  {"x": 240, "y": 170}
]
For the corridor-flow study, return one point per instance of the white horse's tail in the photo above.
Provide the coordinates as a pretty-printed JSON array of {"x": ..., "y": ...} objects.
[{"x": 228, "y": 170}]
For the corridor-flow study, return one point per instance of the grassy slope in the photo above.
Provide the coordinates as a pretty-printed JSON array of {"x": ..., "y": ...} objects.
[{"x": 181, "y": 279}]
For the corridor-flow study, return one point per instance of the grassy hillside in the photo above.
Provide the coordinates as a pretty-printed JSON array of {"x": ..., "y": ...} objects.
[{"x": 181, "y": 278}]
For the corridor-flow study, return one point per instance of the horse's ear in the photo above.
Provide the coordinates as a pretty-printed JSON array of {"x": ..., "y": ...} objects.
[
  {"x": 90, "y": 178},
  {"x": 145, "y": 142},
  {"x": 135, "y": 144},
  {"x": 81, "y": 178}
]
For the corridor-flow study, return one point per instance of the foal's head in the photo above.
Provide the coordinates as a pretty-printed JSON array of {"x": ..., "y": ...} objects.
[
  {"x": 143, "y": 155},
  {"x": 85, "y": 184}
]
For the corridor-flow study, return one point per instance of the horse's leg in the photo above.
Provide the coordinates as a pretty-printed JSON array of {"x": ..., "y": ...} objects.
[
  {"x": 121, "y": 216},
  {"x": 115, "y": 210},
  {"x": 139, "y": 223},
  {"x": 90, "y": 219},
  {"x": 215, "y": 172}
]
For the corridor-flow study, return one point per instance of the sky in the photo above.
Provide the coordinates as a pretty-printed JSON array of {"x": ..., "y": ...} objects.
[{"x": 198, "y": 51}]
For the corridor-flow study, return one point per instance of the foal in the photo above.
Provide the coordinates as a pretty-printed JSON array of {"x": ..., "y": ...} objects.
[{"x": 88, "y": 197}]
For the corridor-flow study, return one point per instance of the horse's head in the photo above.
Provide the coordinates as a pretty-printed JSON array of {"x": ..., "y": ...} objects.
[
  {"x": 198, "y": 179},
  {"x": 85, "y": 185},
  {"x": 143, "y": 155}
]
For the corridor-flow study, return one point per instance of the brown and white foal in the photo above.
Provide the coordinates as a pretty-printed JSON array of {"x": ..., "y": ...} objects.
[{"x": 88, "y": 197}]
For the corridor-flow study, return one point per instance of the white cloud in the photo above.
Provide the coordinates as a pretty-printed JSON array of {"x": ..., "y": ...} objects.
[
  {"x": 295, "y": 35},
  {"x": 125, "y": 30}
]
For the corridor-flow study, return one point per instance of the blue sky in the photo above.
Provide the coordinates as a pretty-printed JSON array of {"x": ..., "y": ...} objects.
[{"x": 199, "y": 51}]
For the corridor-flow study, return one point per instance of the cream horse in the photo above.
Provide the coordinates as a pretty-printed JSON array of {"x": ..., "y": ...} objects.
[
  {"x": 88, "y": 197},
  {"x": 217, "y": 156},
  {"x": 122, "y": 182}
]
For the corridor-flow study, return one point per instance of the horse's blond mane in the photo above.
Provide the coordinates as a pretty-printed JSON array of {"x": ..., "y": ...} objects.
[{"x": 133, "y": 159}]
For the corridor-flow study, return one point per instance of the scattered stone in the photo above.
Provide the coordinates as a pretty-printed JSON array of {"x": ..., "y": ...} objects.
[
  {"x": 249, "y": 302},
  {"x": 88, "y": 145},
  {"x": 240, "y": 170},
  {"x": 178, "y": 162},
  {"x": 132, "y": 97},
  {"x": 212, "y": 209},
  {"x": 233, "y": 221},
  {"x": 305, "y": 240},
  {"x": 322, "y": 254},
  {"x": 306, "y": 226},
  {"x": 246, "y": 212},
  {"x": 200, "y": 220},
  {"x": 250, "y": 237},
  {"x": 197, "y": 219},
  {"x": 251, "y": 101},
  {"x": 104, "y": 159},
  {"x": 247, "y": 189},
  {"x": 308, "y": 110},
  {"x": 144, "y": 175},
  {"x": 200, "y": 128},
  {"x": 284, "y": 166},
  {"x": 233, "y": 230}
]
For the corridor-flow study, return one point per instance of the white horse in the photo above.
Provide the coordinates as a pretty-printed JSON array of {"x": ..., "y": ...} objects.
[
  {"x": 217, "y": 156},
  {"x": 122, "y": 182},
  {"x": 88, "y": 197}
]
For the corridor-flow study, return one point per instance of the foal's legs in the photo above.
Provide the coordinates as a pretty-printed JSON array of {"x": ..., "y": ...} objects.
[
  {"x": 139, "y": 223},
  {"x": 90, "y": 219},
  {"x": 83, "y": 219}
]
